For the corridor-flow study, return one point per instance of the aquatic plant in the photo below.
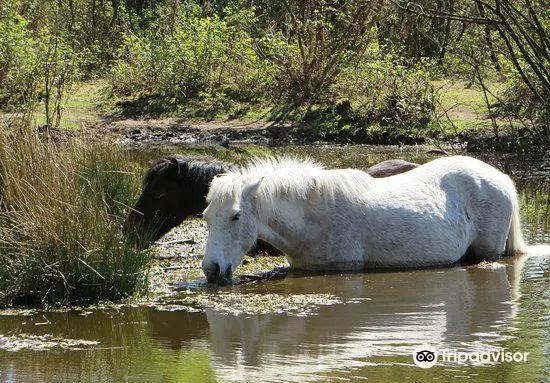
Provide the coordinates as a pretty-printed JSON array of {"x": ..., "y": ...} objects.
[{"x": 62, "y": 203}]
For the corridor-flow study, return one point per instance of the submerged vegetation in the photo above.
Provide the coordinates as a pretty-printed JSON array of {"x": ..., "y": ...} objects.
[{"x": 61, "y": 210}]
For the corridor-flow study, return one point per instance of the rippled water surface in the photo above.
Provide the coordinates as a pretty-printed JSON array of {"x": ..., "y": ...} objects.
[{"x": 351, "y": 327}]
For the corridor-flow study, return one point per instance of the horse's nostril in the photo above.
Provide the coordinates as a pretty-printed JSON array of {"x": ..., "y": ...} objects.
[
  {"x": 227, "y": 273},
  {"x": 212, "y": 272}
]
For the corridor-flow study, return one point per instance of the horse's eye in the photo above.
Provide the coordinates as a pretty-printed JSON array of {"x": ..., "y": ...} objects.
[{"x": 236, "y": 216}]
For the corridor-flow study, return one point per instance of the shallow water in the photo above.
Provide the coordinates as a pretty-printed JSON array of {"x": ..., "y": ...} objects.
[{"x": 350, "y": 327}]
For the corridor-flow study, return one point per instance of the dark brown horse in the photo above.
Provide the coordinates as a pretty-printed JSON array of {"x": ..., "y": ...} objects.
[{"x": 175, "y": 188}]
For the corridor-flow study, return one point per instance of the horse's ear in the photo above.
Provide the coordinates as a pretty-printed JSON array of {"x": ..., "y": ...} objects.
[
  {"x": 250, "y": 189},
  {"x": 175, "y": 167}
]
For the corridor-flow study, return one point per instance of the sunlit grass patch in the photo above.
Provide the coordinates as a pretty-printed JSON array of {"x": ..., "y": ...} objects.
[
  {"x": 465, "y": 103},
  {"x": 81, "y": 109}
]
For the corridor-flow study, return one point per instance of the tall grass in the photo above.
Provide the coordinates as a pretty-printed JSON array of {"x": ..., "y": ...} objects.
[{"x": 61, "y": 210}]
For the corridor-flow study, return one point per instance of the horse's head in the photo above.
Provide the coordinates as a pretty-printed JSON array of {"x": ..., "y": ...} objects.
[
  {"x": 163, "y": 203},
  {"x": 232, "y": 226}
]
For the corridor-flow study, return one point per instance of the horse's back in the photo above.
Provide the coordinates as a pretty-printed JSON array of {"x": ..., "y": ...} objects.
[
  {"x": 435, "y": 212},
  {"x": 449, "y": 164},
  {"x": 461, "y": 172},
  {"x": 390, "y": 168},
  {"x": 450, "y": 183}
]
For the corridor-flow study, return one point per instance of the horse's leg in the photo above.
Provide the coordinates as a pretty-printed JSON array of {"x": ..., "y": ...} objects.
[{"x": 492, "y": 231}]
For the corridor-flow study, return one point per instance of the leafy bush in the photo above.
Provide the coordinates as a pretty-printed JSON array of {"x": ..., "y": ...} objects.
[
  {"x": 205, "y": 59},
  {"x": 309, "y": 44},
  {"x": 212, "y": 63},
  {"x": 380, "y": 100},
  {"x": 17, "y": 60},
  {"x": 387, "y": 90},
  {"x": 519, "y": 100}
]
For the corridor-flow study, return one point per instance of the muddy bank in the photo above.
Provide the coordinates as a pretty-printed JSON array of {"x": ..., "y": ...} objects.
[
  {"x": 174, "y": 132},
  {"x": 171, "y": 131}
]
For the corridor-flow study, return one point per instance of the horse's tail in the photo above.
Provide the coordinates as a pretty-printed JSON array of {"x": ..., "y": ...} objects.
[{"x": 515, "y": 244}]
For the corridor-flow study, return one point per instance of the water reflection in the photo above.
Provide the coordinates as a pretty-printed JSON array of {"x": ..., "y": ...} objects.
[{"x": 464, "y": 308}]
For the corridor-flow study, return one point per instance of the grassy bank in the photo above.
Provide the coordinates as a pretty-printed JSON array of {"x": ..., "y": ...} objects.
[
  {"x": 61, "y": 210},
  {"x": 460, "y": 110}
]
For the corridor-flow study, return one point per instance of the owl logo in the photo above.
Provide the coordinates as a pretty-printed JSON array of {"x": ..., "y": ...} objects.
[{"x": 425, "y": 356}]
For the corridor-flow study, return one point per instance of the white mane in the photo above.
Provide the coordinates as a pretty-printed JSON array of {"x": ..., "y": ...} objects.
[{"x": 290, "y": 178}]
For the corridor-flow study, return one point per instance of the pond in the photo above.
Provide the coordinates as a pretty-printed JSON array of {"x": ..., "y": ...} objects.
[{"x": 302, "y": 328}]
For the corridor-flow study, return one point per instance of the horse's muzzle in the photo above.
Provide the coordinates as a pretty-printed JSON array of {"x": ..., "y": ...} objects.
[
  {"x": 213, "y": 274},
  {"x": 134, "y": 230}
]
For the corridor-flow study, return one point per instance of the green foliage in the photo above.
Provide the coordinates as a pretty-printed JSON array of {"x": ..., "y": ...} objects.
[
  {"x": 35, "y": 65},
  {"x": 380, "y": 100},
  {"x": 297, "y": 59},
  {"x": 519, "y": 100},
  {"x": 17, "y": 59},
  {"x": 389, "y": 91},
  {"x": 210, "y": 63},
  {"x": 504, "y": 39},
  {"x": 203, "y": 59},
  {"x": 414, "y": 37},
  {"x": 58, "y": 65},
  {"x": 316, "y": 41}
]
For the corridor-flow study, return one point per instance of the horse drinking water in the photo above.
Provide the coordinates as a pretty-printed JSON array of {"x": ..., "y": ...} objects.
[
  {"x": 174, "y": 188},
  {"x": 344, "y": 219}
]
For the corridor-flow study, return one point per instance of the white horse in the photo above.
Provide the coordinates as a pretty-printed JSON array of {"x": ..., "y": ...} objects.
[{"x": 343, "y": 219}]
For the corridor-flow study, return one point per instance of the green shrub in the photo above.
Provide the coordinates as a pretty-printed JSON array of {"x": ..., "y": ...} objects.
[
  {"x": 214, "y": 63},
  {"x": 17, "y": 60},
  {"x": 379, "y": 100},
  {"x": 519, "y": 101},
  {"x": 388, "y": 91},
  {"x": 206, "y": 60}
]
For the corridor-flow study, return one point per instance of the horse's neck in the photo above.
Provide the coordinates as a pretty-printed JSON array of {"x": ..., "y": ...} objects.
[
  {"x": 193, "y": 188},
  {"x": 284, "y": 226}
]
